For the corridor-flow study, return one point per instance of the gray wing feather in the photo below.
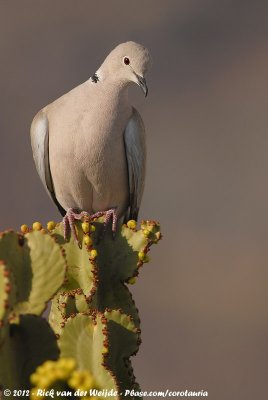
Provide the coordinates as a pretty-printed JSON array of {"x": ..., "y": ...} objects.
[
  {"x": 136, "y": 160},
  {"x": 40, "y": 148}
]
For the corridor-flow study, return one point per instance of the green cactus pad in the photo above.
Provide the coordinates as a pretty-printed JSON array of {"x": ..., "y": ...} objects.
[
  {"x": 56, "y": 318},
  {"x": 48, "y": 272},
  {"x": 5, "y": 287},
  {"x": 64, "y": 305},
  {"x": 81, "y": 302},
  {"x": 38, "y": 266},
  {"x": 120, "y": 252},
  {"x": 16, "y": 255},
  {"x": 27, "y": 345},
  {"x": 117, "y": 262},
  {"x": 83, "y": 338},
  {"x": 102, "y": 279},
  {"x": 7, "y": 297},
  {"x": 121, "y": 326},
  {"x": 80, "y": 271},
  {"x": 122, "y": 319}
]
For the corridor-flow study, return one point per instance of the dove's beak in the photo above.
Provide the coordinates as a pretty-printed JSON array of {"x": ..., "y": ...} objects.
[{"x": 142, "y": 84}]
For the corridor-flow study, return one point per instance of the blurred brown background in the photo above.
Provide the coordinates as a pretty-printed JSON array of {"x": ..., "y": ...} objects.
[{"x": 203, "y": 299}]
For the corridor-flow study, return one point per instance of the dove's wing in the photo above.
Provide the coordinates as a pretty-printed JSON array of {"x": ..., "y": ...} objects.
[
  {"x": 134, "y": 137},
  {"x": 40, "y": 147}
]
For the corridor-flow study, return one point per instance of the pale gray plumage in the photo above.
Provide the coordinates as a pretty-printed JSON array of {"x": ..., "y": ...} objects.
[{"x": 89, "y": 145}]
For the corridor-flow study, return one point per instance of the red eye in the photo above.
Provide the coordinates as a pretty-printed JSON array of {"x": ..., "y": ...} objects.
[{"x": 126, "y": 60}]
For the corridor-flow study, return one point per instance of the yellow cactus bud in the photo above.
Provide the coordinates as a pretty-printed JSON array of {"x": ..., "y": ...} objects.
[
  {"x": 51, "y": 225},
  {"x": 85, "y": 227},
  {"x": 146, "y": 232},
  {"x": 44, "y": 382},
  {"x": 92, "y": 228},
  {"x": 52, "y": 371},
  {"x": 39, "y": 369},
  {"x": 48, "y": 365},
  {"x": 87, "y": 240},
  {"x": 132, "y": 280},
  {"x": 34, "y": 378},
  {"x": 93, "y": 254},
  {"x": 132, "y": 224},
  {"x": 82, "y": 380},
  {"x": 37, "y": 226},
  {"x": 67, "y": 363},
  {"x": 141, "y": 255},
  {"x": 61, "y": 374},
  {"x": 73, "y": 382},
  {"x": 24, "y": 228}
]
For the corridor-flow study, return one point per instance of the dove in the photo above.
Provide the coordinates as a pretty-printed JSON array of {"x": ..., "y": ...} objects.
[{"x": 89, "y": 145}]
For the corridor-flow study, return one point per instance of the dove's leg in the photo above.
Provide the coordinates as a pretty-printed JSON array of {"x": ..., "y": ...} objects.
[{"x": 69, "y": 219}]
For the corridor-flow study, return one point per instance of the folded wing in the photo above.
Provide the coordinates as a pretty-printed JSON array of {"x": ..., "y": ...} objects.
[
  {"x": 40, "y": 147},
  {"x": 135, "y": 146}
]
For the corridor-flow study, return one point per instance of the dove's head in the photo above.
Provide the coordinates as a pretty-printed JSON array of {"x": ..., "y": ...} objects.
[{"x": 128, "y": 62}]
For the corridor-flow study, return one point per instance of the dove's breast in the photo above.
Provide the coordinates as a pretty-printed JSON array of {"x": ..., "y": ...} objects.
[{"x": 86, "y": 149}]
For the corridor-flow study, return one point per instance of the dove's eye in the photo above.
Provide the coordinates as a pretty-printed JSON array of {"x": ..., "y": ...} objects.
[{"x": 126, "y": 60}]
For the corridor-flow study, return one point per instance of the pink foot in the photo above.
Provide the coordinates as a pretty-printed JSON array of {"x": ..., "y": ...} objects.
[
  {"x": 69, "y": 219},
  {"x": 109, "y": 214},
  {"x": 71, "y": 216}
]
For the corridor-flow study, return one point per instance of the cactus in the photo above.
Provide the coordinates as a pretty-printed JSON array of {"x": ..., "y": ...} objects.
[
  {"x": 32, "y": 269},
  {"x": 92, "y": 311}
]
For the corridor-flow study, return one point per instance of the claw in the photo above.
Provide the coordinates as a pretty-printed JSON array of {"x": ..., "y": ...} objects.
[{"x": 108, "y": 215}]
